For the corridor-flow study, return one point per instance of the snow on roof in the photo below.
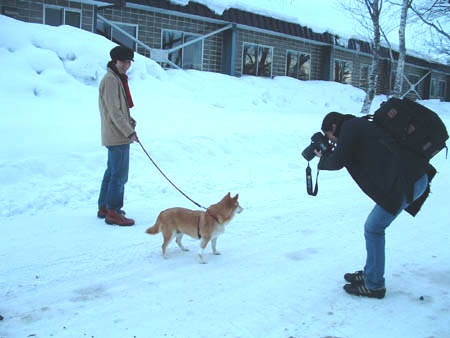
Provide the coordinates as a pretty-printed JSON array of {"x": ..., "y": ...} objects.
[
  {"x": 323, "y": 16},
  {"x": 319, "y": 15}
]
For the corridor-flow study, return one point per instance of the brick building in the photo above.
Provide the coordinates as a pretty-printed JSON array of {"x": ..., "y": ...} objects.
[{"x": 235, "y": 43}]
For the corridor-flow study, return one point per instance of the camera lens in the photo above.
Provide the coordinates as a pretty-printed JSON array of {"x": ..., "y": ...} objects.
[{"x": 308, "y": 153}]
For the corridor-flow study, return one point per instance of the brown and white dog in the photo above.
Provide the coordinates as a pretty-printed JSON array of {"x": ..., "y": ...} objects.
[{"x": 203, "y": 225}]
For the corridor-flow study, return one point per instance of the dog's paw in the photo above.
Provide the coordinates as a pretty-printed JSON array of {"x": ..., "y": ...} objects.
[
  {"x": 201, "y": 260},
  {"x": 184, "y": 249},
  {"x": 216, "y": 253}
]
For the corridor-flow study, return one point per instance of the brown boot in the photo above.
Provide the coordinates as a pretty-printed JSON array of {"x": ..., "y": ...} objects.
[
  {"x": 113, "y": 217},
  {"x": 102, "y": 212}
]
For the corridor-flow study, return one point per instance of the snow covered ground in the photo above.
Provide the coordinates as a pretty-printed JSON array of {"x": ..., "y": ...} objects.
[{"x": 65, "y": 273}]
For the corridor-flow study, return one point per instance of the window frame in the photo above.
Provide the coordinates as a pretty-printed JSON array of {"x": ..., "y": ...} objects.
[
  {"x": 63, "y": 14},
  {"x": 437, "y": 89},
  {"x": 182, "y": 50},
  {"x": 298, "y": 54},
  {"x": 258, "y": 46},
  {"x": 136, "y": 26},
  {"x": 340, "y": 61},
  {"x": 361, "y": 67}
]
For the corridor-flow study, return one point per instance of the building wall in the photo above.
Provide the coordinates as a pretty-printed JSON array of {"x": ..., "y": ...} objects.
[
  {"x": 33, "y": 10},
  {"x": 280, "y": 47},
  {"x": 152, "y": 24},
  {"x": 357, "y": 61}
]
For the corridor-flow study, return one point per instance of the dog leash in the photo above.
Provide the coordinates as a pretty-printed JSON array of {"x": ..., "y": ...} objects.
[{"x": 162, "y": 173}]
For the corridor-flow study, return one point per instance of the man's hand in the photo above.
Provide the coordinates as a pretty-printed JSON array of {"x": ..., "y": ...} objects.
[
  {"x": 133, "y": 137},
  {"x": 318, "y": 153}
]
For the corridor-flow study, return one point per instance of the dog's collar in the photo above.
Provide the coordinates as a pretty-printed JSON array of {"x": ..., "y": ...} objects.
[{"x": 198, "y": 223}]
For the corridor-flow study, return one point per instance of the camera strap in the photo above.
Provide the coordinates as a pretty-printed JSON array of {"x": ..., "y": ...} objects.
[{"x": 309, "y": 187}]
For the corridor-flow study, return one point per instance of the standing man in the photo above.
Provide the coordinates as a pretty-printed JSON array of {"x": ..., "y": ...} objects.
[
  {"x": 117, "y": 134},
  {"x": 394, "y": 179}
]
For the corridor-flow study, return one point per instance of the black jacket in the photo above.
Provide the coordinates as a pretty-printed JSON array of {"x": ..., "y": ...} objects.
[{"x": 383, "y": 171}]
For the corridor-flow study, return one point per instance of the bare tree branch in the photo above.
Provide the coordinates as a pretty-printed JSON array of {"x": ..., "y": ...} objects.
[{"x": 437, "y": 26}]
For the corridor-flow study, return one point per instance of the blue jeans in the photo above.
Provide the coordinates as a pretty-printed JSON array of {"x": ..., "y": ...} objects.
[
  {"x": 376, "y": 223},
  {"x": 115, "y": 177}
]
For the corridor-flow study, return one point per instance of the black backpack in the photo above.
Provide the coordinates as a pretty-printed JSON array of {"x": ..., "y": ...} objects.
[{"x": 412, "y": 126}]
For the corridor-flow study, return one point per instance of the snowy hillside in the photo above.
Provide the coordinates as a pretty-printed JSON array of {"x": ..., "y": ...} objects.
[{"x": 66, "y": 273}]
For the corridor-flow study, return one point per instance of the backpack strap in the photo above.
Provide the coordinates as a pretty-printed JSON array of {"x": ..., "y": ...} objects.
[{"x": 368, "y": 117}]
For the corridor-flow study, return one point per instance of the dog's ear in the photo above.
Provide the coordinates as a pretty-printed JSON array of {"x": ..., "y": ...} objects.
[
  {"x": 228, "y": 195},
  {"x": 236, "y": 197}
]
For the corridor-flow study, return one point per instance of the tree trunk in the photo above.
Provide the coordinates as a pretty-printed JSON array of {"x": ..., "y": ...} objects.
[
  {"x": 374, "y": 8},
  {"x": 398, "y": 86}
]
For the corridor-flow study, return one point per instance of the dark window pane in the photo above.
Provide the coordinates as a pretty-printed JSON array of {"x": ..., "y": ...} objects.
[
  {"x": 442, "y": 89},
  {"x": 72, "y": 18},
  {"x": 264, "y": 61},
  {"x": 292, "y": 64},
  {"x": 104, "y": 29},
  {"x": 433, "y": 88},
  {"x": 347, "y": 72},
  {"x": 250, "y": 59},
  {"x": 192, "y": 54},
  {"x": 53, "y": 16},
  {"x": 342, "y": 71},
  {"x": 121, "y": 38},
  {"x": 337, "y": 71},
  {"x": 364, "y": 77},
  {"x": 305, "y": 67},
  {"x": 170, "y": 40}
]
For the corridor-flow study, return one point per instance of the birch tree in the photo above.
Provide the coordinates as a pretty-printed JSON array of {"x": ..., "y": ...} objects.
[
  {"x": 398, "y": 85},
  {"x": 368, "y": 13}
]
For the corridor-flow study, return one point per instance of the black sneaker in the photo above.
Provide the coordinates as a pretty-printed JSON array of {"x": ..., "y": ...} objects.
[
  {"x": 355, "y": 278},
  {"x": 362, "y": 290}
]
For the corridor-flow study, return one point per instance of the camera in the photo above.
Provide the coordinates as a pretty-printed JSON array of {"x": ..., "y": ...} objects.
[{"x": 318, "y": 142}]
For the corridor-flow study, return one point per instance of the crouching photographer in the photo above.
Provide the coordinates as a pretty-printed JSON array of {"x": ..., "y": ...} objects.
[{"x": 394, "y": 180}]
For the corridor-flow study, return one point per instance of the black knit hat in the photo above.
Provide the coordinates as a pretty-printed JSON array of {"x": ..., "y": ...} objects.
[
  {"x": 337, "y": 119},
  {"x": 121, "y": 53}
]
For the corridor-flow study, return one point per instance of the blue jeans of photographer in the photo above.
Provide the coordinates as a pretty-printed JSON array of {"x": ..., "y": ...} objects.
[
  {"x": 374, "y": 232},
  {"x": 116, "y": 175}
]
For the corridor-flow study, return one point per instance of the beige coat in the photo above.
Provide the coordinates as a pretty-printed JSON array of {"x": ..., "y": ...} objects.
[{"x": 116, "y": 121}]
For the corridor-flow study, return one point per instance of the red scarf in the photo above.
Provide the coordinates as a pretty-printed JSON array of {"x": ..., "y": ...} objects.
[{"x": 127, "y": 90}]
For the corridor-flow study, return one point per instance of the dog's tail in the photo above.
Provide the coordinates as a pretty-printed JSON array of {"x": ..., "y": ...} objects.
[{"x": 153, "y": 230}]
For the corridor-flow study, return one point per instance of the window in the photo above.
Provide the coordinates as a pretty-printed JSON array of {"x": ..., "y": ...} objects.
[
  {"x": 57, "y": 16},
  {"x": 120, "y": 38},
  {"x": 298, "y": 65},
  {"x": 364, "y": 77},
  {"x": 343, "y": 71},
  {"x": 72, "y": 18},
  {"x": 257, "y": 60},
  {"x": 437, "y": 89},
  {"x": 189, "y": 57},
  {"x": 117, "y": 36}
]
